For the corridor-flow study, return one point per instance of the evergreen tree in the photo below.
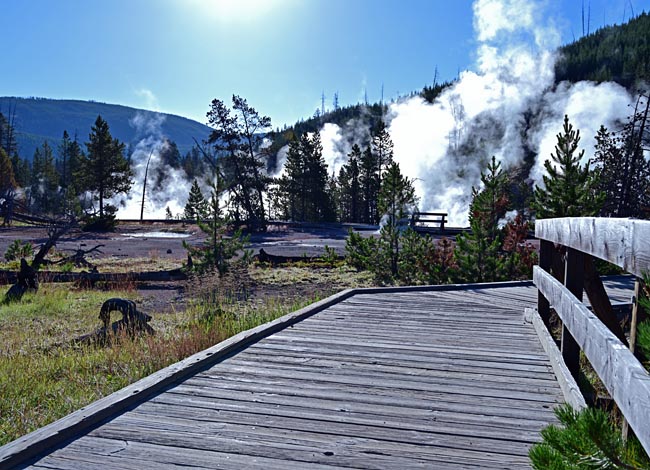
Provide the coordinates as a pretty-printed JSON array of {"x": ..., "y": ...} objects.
[
  {"x": 396, "y": 200},
  {"x": 369, "y": 182},
  {"x": 478, "y": 253},
  {"x": 237, "y": 140},
  {"x": 8, "y": 133},
  {"x": 291, "y": 185},
  {"x": 45, "y": 181},
  {"x": 22, "y": 170},
  {"x": 68, "y": 167},
  {"x": 350, "y": 188},
  {"x": 104, "y": 171},
  {"x": 7, "y": 180},
  {"x": 382, "y": 148},
  {"x": 319, "y": 202},
  {"x": 196, "y": 207},
  {"x": 304, "y": 185},
  {"x": 192, "y": 163},
  {"x": 624, "y": 172},
  {"x": 219, "y": 247},
  {"x": 570, "y": 189},
  {"x": 587, "y": 439}
]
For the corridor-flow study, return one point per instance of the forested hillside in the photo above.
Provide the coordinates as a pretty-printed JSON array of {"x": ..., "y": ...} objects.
[
  {"x": 618, "y": 53},
  {"x": 38, "y": 119}
]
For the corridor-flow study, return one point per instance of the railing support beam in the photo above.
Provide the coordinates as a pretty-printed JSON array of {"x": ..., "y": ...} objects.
[
  {"x": 545, "y": 260},
  {"x": 574, "y": 282}
]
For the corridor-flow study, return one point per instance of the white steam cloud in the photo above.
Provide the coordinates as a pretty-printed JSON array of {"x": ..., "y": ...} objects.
[
  {"x": 509, "y": 107},
  {"x": 172, "y": 189}
]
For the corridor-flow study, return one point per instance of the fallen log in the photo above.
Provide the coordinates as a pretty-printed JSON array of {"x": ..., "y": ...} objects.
[
  {"x": 11, "y": 277},
  {"x": 274, "y": 260}
]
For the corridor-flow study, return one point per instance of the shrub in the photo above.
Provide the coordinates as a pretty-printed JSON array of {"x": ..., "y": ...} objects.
[
  {"x": 587, "y": 439},
  {"x": 360, "y": 252},
  {"x": 19, "y": 249}
]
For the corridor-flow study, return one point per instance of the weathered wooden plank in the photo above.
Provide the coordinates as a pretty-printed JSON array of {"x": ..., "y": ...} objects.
[
  {"x": 167, "y": 427},
  {"x": 516, "y": 330},
  {"x": 599, "y": 300},
  {"x": 511, "y": 346},
  {"x": 429, "y": 369},
  {"x": 342, "y": 402},
  {"x": 623, "y": 242},
  {"x": 437, "y": 360},
  {"x": 430, "y": 402},
  {"x": 309, "y": 422},
  {"x": 521, "y": 357},
  {"x": 568, "y": 384},
  {"x": 625, "y": 378},
  {"x": 478, "y": 380},
  {"x": 574, "y": 282},
  {"x": 141, "y": 454},
  {"x": 403, "y": 385},
  {"x": 31, "y": 445}
]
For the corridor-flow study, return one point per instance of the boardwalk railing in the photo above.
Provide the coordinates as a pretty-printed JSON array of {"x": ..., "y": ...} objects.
[{"x": 625, "y": 243}]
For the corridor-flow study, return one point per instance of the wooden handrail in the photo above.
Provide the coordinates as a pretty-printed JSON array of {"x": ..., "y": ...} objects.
[{"x": 625, "y": 243}]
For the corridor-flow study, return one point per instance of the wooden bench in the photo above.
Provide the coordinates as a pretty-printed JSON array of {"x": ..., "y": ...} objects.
[{"x": 420, "y": 221}]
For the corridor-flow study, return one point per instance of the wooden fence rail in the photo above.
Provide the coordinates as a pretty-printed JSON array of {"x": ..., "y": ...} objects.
[{"x": 625, "y": 243}]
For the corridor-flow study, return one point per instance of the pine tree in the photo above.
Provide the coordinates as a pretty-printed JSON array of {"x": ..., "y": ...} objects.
[
  {"x": 586, "y": 440},
  {"x": 319, "y": 205},
  {"x": 104, "y": 171},
  {"x": 237, "y": 139},
  {"x": 220, "y": 246},
  {"x": 68, "y": 167},
  {"x": 479, "y": 253},
  {"x": 623, "y": 170},
  {"x": 45, "y": 181},
  {"x": 7, "y": 180},
  {"x": 291, "y": 185},
  {"x": 570, "y": 189},
  {"x": 196, "y": 207},
  {"x": 350, "y": 188},
  {"x": 382, "y": 148},
  {"x": 396, "y": 200},
  {"x": 304, "y": 184},
  {"x": 369, "y": 181}
]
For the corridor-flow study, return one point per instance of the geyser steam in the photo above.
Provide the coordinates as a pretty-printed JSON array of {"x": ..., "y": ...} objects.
[
  {"x": 171, "y": 191},
  {"x": 509, "y": 107}
]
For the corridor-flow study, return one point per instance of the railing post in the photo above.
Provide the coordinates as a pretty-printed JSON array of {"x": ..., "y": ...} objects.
[
  {"x": 545, "y": 259},
  {"x": 574, "y": 282}
]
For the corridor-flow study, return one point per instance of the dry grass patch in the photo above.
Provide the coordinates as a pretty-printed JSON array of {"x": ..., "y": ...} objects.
[{"x": 44, "y": 375}]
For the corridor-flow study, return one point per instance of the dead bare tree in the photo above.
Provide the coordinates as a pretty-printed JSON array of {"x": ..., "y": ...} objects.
[{"x": 27, "y": 276}]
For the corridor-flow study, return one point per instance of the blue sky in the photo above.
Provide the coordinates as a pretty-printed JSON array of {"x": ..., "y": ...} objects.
[{"x": 177, "y": 55}]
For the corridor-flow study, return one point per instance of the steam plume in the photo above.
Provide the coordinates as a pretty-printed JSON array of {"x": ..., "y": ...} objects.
[
  {"x": 509, "y": 107},
  {"x": 172, "y": 189}
]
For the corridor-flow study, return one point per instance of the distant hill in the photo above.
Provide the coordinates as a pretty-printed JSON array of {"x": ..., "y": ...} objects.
[
  {"x": 619, "y": 53},
  {"x": 40, "y": 119}
]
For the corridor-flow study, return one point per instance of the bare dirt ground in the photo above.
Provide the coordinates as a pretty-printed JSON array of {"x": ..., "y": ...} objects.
[{"x": 159, "y": 246}]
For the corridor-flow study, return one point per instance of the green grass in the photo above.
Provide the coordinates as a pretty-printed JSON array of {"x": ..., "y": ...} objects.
[{"x": 44, "y": 376}]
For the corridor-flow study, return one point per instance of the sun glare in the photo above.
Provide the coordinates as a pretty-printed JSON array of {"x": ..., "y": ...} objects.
[{"x": 238, "y": 10}]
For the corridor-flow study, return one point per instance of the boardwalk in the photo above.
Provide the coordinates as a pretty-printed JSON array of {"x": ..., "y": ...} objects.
[{"x": 436, "y": 379}]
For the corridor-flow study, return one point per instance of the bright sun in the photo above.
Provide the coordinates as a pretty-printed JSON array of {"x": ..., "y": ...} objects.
[{"x": 238, "y": 10}]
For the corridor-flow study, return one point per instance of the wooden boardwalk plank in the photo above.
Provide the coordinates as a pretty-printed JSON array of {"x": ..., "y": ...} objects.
[{"x": 400, "y": 378}]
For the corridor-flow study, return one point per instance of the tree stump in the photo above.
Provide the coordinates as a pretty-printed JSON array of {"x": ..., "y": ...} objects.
[
  {"x": 27, "y": 280},
  {"x": 132, "y": 320}
]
